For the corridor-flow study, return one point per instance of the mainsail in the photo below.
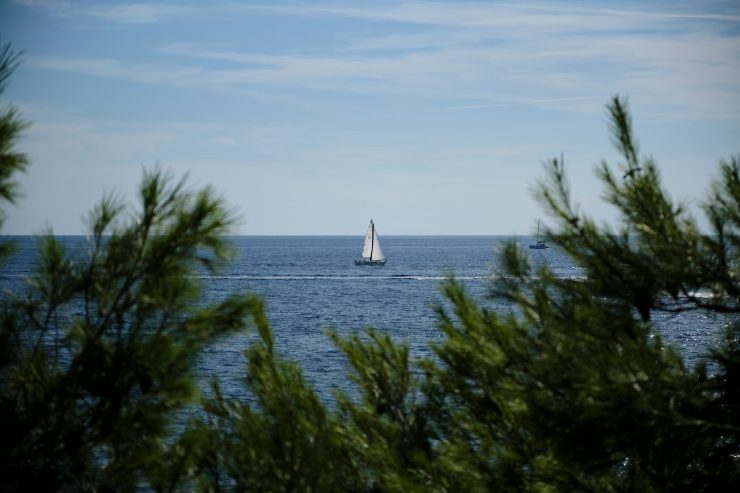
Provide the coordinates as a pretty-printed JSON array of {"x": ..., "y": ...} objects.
[{"x": 371, "y": 250}]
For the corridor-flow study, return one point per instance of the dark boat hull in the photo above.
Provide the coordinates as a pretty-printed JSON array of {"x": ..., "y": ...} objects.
[{"x": 363, "y": 261}]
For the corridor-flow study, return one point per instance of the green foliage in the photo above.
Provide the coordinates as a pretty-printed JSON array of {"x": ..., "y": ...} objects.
[
  {"x": 576, "y": 390},
  {"x": 98, "y": 353},
  {"x": 571, "y": 389},
  {"x": 388, "y": 432},
  {"x": 285, "y": 441}
]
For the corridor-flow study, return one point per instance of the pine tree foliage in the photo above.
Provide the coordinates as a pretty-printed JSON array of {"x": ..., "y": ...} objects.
[
  {"x": 571, "y": 389},
  {"x": 96, "y": 355},
  {"x": 99, "y": 350},
  {"x": 390, "y": 439},
  {"x": 574, "y": 390},
  {"x": 285, "y": 440}
]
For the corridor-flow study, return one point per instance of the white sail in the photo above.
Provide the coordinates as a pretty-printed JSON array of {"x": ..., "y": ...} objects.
[
  {"x": 371, "y": 250},
  {"x": 377, "y": 253},
  {"x": 367, "y": 248}
]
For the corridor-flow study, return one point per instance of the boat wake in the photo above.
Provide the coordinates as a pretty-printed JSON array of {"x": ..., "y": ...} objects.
[{"x": 315, "y": 277}]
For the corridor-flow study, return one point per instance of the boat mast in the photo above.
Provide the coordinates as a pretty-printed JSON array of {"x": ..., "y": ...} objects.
[{"x": 372, "y": 238}]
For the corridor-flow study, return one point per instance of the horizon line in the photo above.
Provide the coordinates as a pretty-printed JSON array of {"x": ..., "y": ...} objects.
[{"x": 295, "y": 235}]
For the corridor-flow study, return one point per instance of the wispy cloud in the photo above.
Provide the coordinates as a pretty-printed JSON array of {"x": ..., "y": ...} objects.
[
  {"x": 117, "y": 69},
  {"x": 491, "y": 15},
  {"x": 421, "y": 73},
  {"x": 458, "y": 55},
  {"x": 531, "y": 102},
  {"x": 118, "y": 12}
]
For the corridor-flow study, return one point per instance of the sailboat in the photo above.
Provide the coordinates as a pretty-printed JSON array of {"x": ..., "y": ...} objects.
[
  {"x": 372, "y": 254},
  {"x": 538, "y": 244}
]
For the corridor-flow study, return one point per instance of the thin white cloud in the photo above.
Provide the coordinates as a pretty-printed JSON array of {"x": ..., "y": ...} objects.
[
  {"x": 414, "y": 41},
  {"x": 137, "y": 13},
  {"x": 59, "y": 7},
  {"x": 639, "y": 14},
  {"x": 118, "y": 12},
  {"x": 487, "y": 55},
  {"x": 467, "y": 15},
  {"x": 491, "y": 15},
  {"x": 531, "y": 102},
  {"x": 462, "y": 14},
  {"x": 117, "y": 69},
  {"x": 404, "y": 73}
]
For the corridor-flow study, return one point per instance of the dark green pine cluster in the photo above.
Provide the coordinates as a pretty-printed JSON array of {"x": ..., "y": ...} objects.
[{"x": 570, "y": 390}]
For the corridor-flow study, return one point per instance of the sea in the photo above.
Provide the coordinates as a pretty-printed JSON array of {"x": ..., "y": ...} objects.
[{"x": 310, "y": 284}]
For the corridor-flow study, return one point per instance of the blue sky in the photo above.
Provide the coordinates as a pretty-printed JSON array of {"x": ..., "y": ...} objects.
[{"x": 312, "y": 117}]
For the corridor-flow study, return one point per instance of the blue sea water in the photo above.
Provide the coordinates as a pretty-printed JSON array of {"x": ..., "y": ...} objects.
[{"x": 310, "y": 284}]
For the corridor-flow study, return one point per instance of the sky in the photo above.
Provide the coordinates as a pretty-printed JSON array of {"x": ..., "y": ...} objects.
[{"x": 310, "y": 118}]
